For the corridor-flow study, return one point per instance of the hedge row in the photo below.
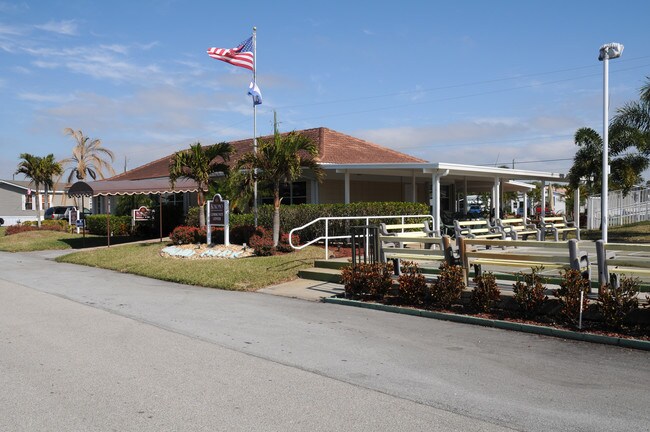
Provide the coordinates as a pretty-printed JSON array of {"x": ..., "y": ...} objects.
[
  {"x": 299, "y": 215},
  {"x": 120, "y": 225}
]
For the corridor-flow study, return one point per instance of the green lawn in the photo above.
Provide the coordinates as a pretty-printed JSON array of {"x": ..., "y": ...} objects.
[
  {"x": 633, "y": 233},
  {"x": 52, "y": 240},
  {"x": 242, "y": 274}
]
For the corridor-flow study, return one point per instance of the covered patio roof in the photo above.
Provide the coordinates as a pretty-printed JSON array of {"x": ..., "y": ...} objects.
[
  {"x": 452, "y": 172},
  {"x": 131, "y": 187}
]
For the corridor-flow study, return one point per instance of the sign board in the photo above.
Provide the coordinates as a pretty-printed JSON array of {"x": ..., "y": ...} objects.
[
  {"x": 80, "y": 223},
  {"x": 73, "y": 216},
  {"x": 141, "y": 214},
  {"x": 219, "y": 215}
]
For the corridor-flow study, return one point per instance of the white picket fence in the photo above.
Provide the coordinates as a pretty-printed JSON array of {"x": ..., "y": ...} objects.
[{"x": 623, "y": 210}]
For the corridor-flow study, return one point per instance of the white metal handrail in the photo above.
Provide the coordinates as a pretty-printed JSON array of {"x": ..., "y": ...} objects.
[{"x": 327, "y": 220}]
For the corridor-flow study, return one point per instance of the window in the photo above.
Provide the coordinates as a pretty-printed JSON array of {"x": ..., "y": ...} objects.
[
  {"x": 291, "y": 193},
  {"x": 28, "y": 202}
]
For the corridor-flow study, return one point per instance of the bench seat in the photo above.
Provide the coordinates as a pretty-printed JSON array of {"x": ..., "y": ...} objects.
[
  {"x": 557, "y": 225},
  {"x": 615, "y": 259}
]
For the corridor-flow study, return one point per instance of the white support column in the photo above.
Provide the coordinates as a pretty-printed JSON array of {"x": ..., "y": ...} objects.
[
  {"x": 435, "y": 201},
  {"x": 576, "y": 207},
  {"x": 347, "y": 187},
  {"x": 543, "y": 210},
  {"x": 525, "y": 214},
  {"x": 496, "y": 198}
]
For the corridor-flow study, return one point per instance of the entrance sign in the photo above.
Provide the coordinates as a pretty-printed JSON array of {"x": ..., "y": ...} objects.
[
  {"x": 141, "y": 214},
  {"x": 219, "y": 215}
]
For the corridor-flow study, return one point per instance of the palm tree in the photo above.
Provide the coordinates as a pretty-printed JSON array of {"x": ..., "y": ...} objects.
[
  {"x": 636, "y": 114},
  {"x": 279, "y": 161},
  {"x": 198, "y": 163},
  {"x": 87, "y": 157},
  {"x": 49, "y": 169}
]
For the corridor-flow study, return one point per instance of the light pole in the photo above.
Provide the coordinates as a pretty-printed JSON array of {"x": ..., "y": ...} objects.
[{"x": 608, "y": 51}]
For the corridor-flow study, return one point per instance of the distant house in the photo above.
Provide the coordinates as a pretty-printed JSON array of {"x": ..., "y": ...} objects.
[{"x": 19, "y": 201}]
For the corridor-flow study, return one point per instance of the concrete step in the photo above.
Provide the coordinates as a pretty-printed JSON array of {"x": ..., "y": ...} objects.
[
  {"x": 334, "y": 263},
  {"x": 321, "y": 274}
]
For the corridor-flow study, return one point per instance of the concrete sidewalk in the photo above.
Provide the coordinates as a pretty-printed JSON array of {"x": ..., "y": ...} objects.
[{"x": 304, "y": 289}]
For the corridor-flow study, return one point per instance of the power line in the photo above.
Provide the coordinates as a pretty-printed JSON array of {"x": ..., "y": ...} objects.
[{"x": 469, "y": 84}]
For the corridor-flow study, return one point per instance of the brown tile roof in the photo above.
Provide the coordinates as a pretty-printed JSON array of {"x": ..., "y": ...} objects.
[{"x": 334, "y": 148}]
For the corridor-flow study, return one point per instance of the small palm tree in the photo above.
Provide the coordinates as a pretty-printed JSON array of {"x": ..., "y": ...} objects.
[
  {"x": 40, "y": 171},
  {"x": 49, "y": 168},
  {"x": 278, "y": 161},
  {"x": 198, "y": 163},
  {"x": 87, "y": 157}
]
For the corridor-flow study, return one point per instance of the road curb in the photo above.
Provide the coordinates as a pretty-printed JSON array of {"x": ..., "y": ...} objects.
[{"x": 505, "y": 325}]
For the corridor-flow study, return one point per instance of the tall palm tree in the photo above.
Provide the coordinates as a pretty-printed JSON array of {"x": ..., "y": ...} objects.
[
  {"x": 278, "y": 161},
  {"x": 87, "y": 157},
  {"x": 198, "y": 163}
]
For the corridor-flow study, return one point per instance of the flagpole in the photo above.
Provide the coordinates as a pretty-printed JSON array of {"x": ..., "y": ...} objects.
[{"x": 255, "y": 123}]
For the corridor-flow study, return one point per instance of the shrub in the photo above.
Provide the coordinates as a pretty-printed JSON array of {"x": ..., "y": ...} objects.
[
  {"x": 241, "y": 234},
  {"x": 413, "y": 289},
  {"x": 449, "y": 286},
  {"x": 55, "y": 225},
  {"x": 120, "y": 225},
  {"x": 616, "y": 304},
  {"x": 529, "y": 293},
  {"x": 283, "y": 244},
  {"x": 16, "y": 229},
  {"x": 192, "y": 217},
  {"x": 185, "y": 235},
  {"x": 262, "y": 242},
  {"x": 485, "y": 293},
  {"x": 297, "y": 215},
  {"x": 569, "y": 294},
  {"x": 370, "y": 281}
]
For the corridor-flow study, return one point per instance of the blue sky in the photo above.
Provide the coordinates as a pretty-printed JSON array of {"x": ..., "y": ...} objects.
[{"x": 471, "y": 82}]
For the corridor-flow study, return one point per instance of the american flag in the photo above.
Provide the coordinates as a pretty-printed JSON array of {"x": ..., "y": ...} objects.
[{"x": 241, "y": 56}]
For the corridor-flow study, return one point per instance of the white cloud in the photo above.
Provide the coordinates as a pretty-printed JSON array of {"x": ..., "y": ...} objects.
[
  {"x": 42, "y": 97},
  {"x": 487, "y": 141},
  {"x": 45, "y": 65},
  {"x": 119, "y": 49},
  {"x": 65, "y": 27}
]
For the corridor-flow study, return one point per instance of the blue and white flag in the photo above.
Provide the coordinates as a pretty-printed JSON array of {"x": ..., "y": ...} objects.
[{"x": 254, "y": 91}]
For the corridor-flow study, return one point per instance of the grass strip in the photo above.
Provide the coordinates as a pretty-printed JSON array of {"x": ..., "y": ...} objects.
[{"x": 240, "y": 274}]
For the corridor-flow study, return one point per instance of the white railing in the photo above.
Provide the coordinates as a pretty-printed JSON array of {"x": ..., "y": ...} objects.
[{"x": 326, "y": 238}]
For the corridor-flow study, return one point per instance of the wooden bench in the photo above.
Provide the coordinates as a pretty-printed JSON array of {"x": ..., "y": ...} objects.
[
  {"x": 479, "y": 228},
  {"x": 634, "y": 261},
  {"x": 558, "y": 255},
  {"x": 556, "y": 225},
  {"x": 519, "y": 228},
  {"x": 436, "y": 249},
  {"x": 400, "y": 232}
]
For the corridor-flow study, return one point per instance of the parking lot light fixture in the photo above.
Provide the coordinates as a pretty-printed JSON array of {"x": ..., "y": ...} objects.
[{"x": 608, "y": 51}]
